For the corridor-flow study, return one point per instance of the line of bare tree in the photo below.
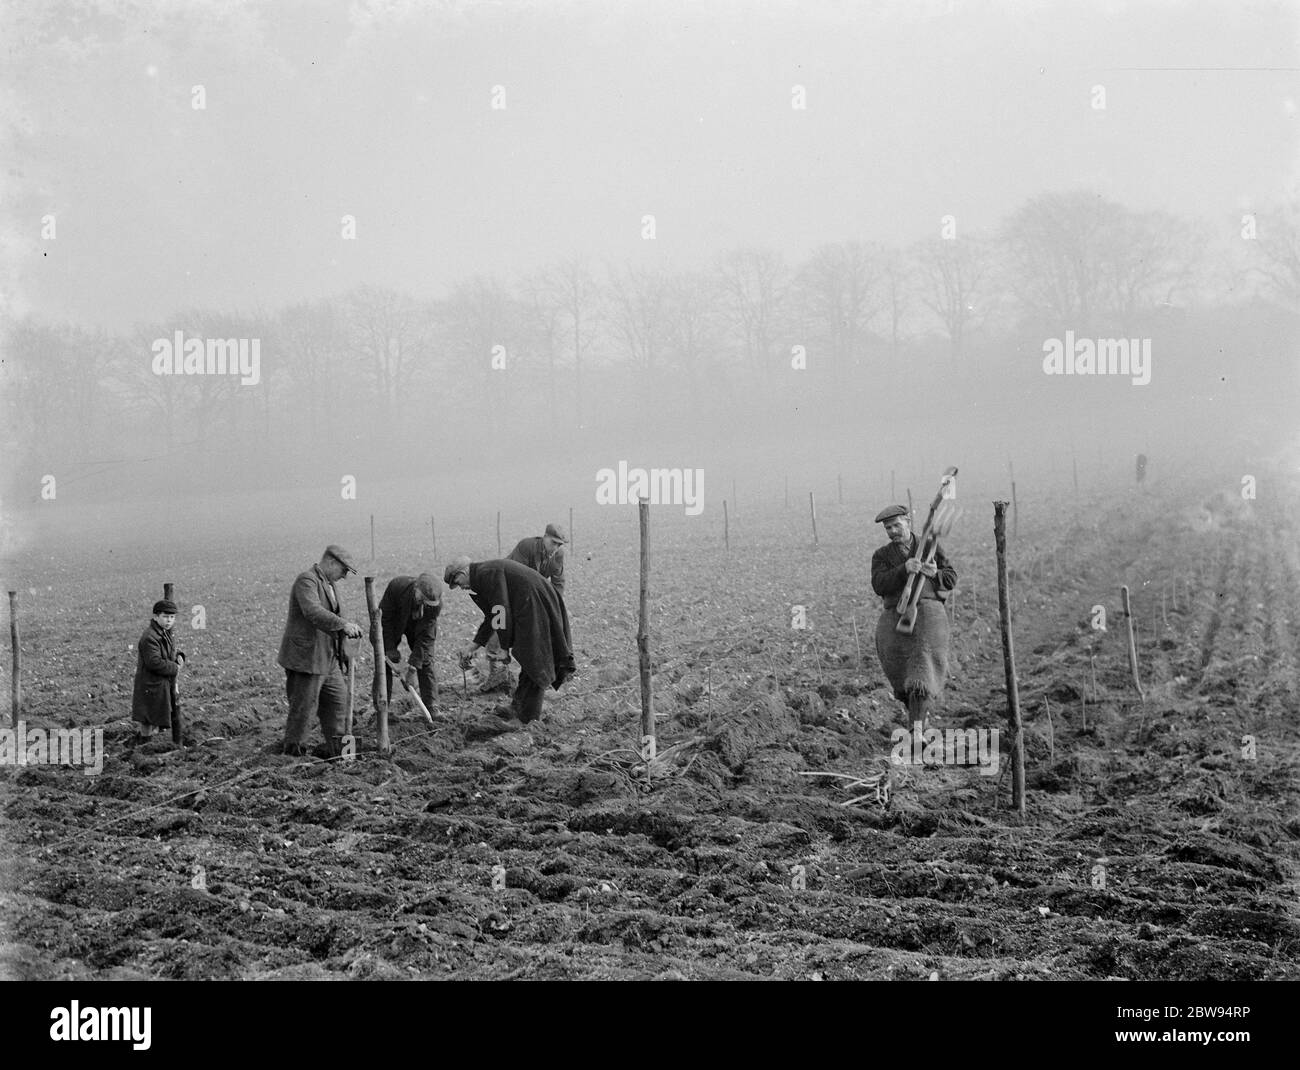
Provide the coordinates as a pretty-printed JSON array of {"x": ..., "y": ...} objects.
[{"x": 578, "y": 343}]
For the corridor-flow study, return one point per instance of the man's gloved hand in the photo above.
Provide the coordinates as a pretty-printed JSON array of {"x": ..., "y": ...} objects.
[
  {"x": 410, "y": 678},
  {"x": 352, "y": 630},
  {"x": 395, "y": 656}
]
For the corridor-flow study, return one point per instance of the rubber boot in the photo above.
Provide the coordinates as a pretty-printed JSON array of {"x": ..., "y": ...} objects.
[{"x": 498, "y": 679}]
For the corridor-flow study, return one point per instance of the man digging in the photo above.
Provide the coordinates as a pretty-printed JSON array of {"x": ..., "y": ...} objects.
[
  {"x": 314, "y": 656},
  {"x": 544, "y": 554},
  {"x": 522, "y": 609},
  {"x": 916, "y": 664},
  {"x": 410, "y": 608}
]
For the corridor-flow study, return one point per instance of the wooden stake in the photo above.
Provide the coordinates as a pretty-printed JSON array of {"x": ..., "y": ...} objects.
[
  {"x": 1015, "y": 513},
  {"x": 1051, "y": 730},
  {"x": 498, "y": 533},
  {"x": 379, "y": 687},
  {"x": 1132, "y": 647},
  {"x": 643, "y": 642},
  {"x": 812, "y": 511},
  {"x": 726, "y": 526},
  {"x": 909, "y": 503},
  {"x": 1163, "y": 615},
  {"x": 856, "y": 643},
  {"x": 1009, "y": 662},
  {"x": 15, "y": 709},
  {"x": 178, "y": 726}
]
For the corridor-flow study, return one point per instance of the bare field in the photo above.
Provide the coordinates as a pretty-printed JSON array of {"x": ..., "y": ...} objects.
[{"x": 1154, "y": 848}]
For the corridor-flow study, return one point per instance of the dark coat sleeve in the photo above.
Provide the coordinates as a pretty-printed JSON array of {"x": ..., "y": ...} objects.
[
  {"x": 422, "y": 632},
  {"x": 887, "y": 578},
  {"x": 153, "y": 656},
  {"x": 557, "y": 570},
  {"x": 492, "y": 578},
  {"x": 394, "y": 610},
  {"x": 946, "y": 578}
]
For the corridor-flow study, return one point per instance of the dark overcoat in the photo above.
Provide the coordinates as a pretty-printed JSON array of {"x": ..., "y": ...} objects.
[
  {"x": 400, "y": 616},
  {"x": 155, "y": 669},
  {"x": 889, "y": 573},
  {"x": 534, "y": 624},
  {"x": 532, "y": 552}
]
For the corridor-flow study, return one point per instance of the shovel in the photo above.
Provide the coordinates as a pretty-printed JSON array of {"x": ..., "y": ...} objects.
[
  {"x": 415, "y": 695},
  {"x": 348, "y": 648},
  {"x": 178, "y": 729}
]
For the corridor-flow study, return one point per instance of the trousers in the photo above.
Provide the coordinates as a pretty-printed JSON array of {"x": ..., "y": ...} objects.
[
  {"x": 322, "y": 694},
  {"x": 424, "y": 674},
  {"x": 527, "y": 699}
]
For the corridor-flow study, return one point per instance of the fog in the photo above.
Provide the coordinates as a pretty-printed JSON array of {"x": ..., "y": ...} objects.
[{"x": 471, "y": 255}]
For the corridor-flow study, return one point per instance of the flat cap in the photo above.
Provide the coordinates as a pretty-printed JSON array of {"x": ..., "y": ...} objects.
[
  {"x": 164, "y": 605},
  {"x": 429, "y": 586},
  {"x": 341, "y": 556},
  {"x": 458, "y": 565},
  {"x": 890, "y": 512},
  {"x": 557, "y": 532}
]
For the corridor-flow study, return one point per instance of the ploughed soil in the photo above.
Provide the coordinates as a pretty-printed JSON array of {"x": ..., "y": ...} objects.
[{"x": 1160, "y": 837}]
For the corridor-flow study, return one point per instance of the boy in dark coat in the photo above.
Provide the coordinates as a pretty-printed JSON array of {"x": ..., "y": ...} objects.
[
  {"x": 156, "y": 663},
  {"x": 530, "y": 621}
]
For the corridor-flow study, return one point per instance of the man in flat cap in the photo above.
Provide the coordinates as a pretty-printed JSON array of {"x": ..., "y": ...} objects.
[
  {"x": 156, "y": 663},
  {"x": 544, "y": 554},
  {"x": 529, "y": 619},
  {"x": 916, "y": 664},
  {"x": 314, "y": 655},
  {"x": 410, "y": 608}
]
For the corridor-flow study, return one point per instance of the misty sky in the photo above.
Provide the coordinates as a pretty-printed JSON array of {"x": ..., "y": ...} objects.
[{"x": 613, "y": 110}]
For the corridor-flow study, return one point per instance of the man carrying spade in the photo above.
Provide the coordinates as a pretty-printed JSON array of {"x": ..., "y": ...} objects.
[{"x": 915, "y": 663}]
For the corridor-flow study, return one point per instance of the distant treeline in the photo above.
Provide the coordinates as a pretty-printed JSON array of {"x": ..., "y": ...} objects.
[{"x": 496, "y": 369}]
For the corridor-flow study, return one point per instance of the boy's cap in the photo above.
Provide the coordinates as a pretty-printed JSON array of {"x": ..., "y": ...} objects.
[{"x": 164, "y": 605}]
